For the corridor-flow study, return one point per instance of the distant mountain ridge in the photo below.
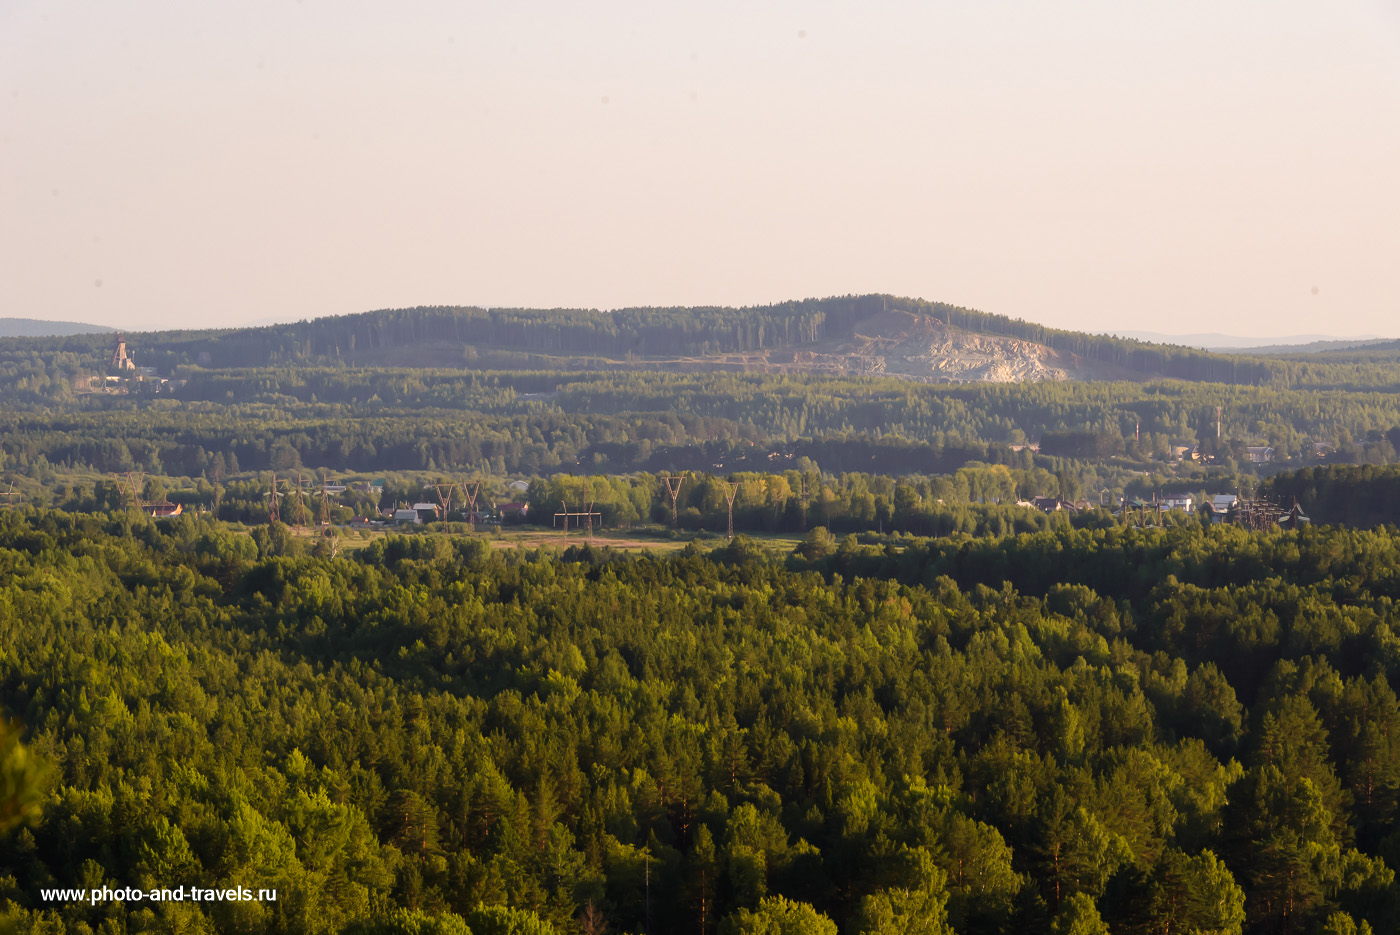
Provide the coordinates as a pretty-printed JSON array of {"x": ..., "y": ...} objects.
[
  {"x": 40, "y": 328},
  {"x": 1317, "y": 347},
  {"x": 1241, "y": 344},
  {"x": 842, "y": 335}
]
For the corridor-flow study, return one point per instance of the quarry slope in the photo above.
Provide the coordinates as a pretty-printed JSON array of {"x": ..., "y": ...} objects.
[{"x": 893, "y": 343}]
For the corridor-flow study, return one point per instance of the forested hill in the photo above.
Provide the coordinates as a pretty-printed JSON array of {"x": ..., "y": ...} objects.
[
  {"x": 38, "y": 328},
  {"x": 849, "y": 332}
]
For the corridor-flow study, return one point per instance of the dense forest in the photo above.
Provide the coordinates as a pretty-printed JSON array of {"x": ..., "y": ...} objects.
[
  {"x": 1363, "y": 495},
  {"x": 637, "y": 332},
  {"x": 344, "y": 420},
  {"x": 1126, "y": 730}
]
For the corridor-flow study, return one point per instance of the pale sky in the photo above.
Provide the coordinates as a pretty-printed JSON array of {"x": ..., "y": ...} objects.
[{"x": 1176, "y": 166}]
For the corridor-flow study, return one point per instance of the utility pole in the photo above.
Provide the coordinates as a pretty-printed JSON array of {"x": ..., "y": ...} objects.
[
  {"x": 731, "y": 490},
  {"x": 673, "y": 486},
  {"x": 804, "y": 502}
]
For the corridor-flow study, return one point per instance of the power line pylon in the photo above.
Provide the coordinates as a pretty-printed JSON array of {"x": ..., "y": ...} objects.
[
  {"x": 444, "y": 495},
  {"x": 325, "y": 518},
  {"x": 586, "y": 515},
  {"x": 300, "y": 495},
  {"x": 273, "y": 512},
  {"x": 132, "y": 490},
  {"x": 469, "y": 493},
  {"x": 673, "y": 487},
  {"x": 731, "y": 490}
]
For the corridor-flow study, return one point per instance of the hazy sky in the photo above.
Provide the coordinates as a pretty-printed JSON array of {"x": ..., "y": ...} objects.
[{"x": 1172, "y": 166}]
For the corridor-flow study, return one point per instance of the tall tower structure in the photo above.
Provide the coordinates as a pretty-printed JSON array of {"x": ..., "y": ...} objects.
[
  {"x": 673, "y": 487},
  {"x": 120, "y": 360},
  {"x": 731, "y": 490}
]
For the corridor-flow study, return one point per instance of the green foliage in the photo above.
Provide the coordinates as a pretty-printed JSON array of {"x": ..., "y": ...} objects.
[
  {"x": 1079, "y": 916},
  {"x": 21, "y": 779},
  {"x": 1364, "y": 495},
  {"x": 411, "y": 922},
  {"x": 778, "y": 916},
  {"x": 1198, "y": 894},
  {"x": 503, "y": 920},
  {"x": 919, "y": 908},
  {"x": 1073, "y": 728}
]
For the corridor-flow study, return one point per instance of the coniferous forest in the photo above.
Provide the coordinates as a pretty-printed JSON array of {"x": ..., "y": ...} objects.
[{"x": 1129, "y": 730}]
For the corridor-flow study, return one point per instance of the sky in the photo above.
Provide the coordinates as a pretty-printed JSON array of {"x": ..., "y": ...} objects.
[{"x": 1174, "y": 167}]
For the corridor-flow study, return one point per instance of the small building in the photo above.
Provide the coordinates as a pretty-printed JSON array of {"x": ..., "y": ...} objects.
[
  {"x": 1259, "y": 454},
  {"x": 513, "y": 512},
  {"x": 427, "y": 512},
  {"x": 1219, "y": 506},
  {"x": 161, "y": 510},
  {"x": 1177, "y": 503},
  {"x": 1052, "y": 504},
  {"x": 407, "y": 516},
  {"x": 1322, "y": 450}
]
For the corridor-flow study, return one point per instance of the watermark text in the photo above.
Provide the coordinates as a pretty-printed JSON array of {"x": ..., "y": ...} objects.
[{"x": 175, "y": 894}]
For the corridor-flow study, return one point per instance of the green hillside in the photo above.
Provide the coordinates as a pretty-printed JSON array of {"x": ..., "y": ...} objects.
[{"x": 539, "y": 338}]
